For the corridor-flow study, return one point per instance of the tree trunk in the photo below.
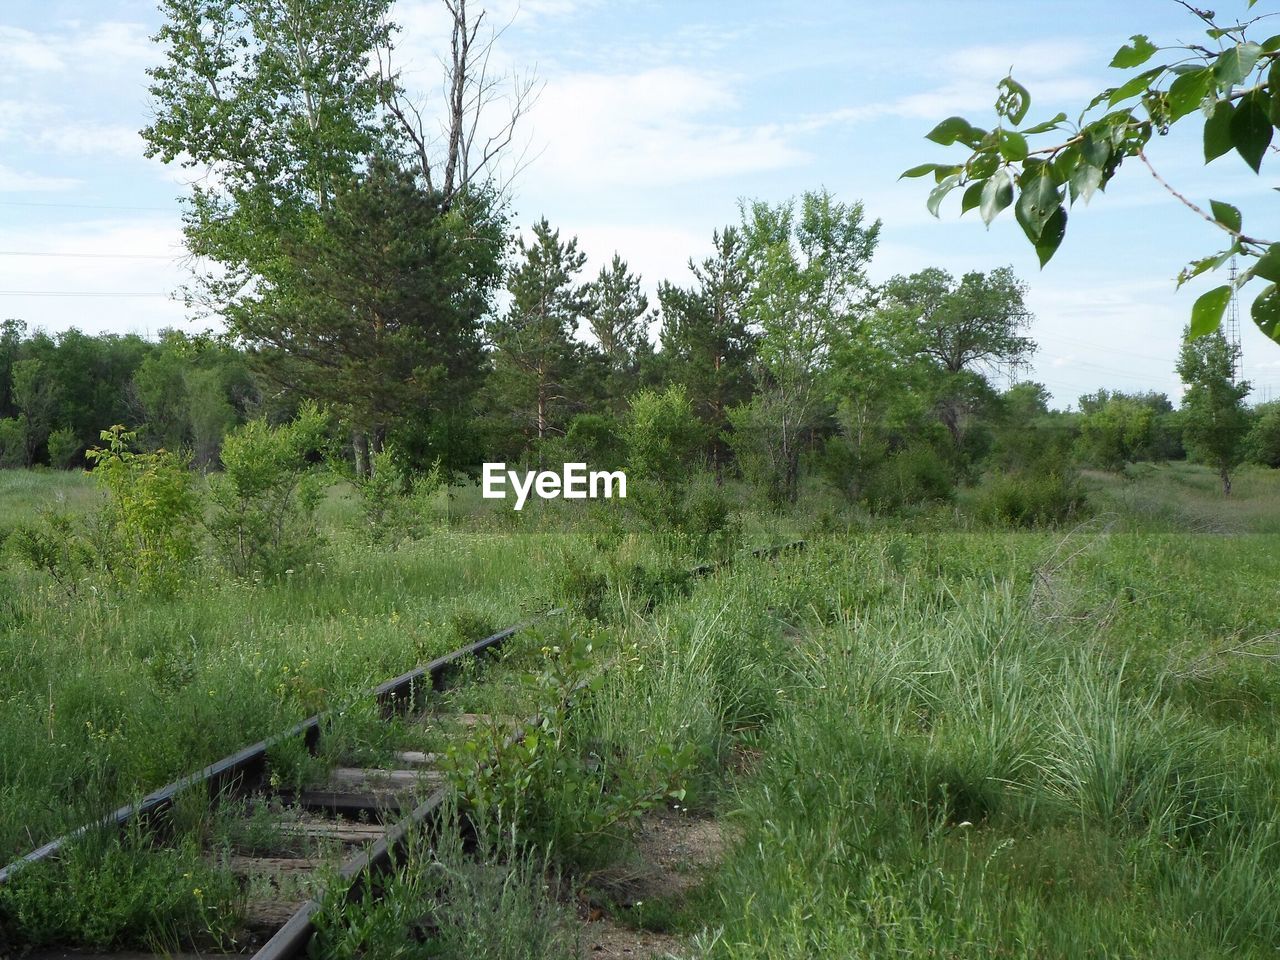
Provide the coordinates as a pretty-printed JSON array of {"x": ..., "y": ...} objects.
[
  {"x": 1226, "y": 482},
  {"x": 360, "y": 446}
]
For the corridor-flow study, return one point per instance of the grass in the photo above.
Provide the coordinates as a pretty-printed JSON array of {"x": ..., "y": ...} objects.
[{"x": 970, "y": 743}]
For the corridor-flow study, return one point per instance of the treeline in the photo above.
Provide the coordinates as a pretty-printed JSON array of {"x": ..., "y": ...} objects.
[{"x": 791, "y": 364}]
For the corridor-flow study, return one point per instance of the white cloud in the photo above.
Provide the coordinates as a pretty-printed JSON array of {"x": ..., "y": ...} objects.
[
  {"x": 131, "y": 270},
  {"x": 16, "y": 181},
  {"x": 655, "y": 127},
  {"x": 105, "y": 46}
]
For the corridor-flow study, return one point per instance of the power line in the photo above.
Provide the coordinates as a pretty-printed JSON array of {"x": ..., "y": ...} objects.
[
  {"x": 76, "y": 293},
  {"x": 93, "y": 256},
  {"x": 85, "y": 206}
]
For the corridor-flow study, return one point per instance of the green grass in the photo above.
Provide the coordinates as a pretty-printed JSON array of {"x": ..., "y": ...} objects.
[{"x": 972, "y": 743}]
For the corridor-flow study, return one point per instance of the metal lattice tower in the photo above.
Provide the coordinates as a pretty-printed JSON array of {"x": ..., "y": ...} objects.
[{"x": 1233, "y": 329}]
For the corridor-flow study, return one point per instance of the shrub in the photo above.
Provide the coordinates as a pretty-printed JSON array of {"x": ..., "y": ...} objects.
[
  {"x": 1031, "y": 499},
  {"x": 1263, "y": 442},
  {"x": 64, "y": 447},
  {"x": 150, "y": 522},
  {"x": 53, "y": 548},
  {"x": 663, "y": 439},
  {"x": 264, "y": 502},
  {"x": 13, "y": 442},
  {"x": 912, "y": 476},
  {"x": 393, "y": 499}
]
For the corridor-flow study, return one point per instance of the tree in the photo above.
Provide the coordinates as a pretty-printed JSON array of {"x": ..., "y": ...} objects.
[
  {"x": 289, "y": 107},
  {"x": 1232, "y": 86},
  {"x": 804, "y": 274},
  {"x": 1116, "y": 429},
  {"x": 1263, "y": 441},
  {"x": 706, "y": 344},
  {"x": 963, "y": 331},
  {"x": 619, "y": 318},
  {"x": 377, "y": 313},
  {"x": 535, "y": 357},
  {"x": 1215, "y": 421}
]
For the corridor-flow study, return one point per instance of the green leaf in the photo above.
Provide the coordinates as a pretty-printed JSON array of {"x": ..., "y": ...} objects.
[
  {"x": 920, "y": 171},
  {"x": 1251, "y": 129},
  {"x": 1197, "y": 267},
  {"x": 939, "y": 192},
  {"x": 950, "y": 130},
  {"x": 1273, "y": 82},
  {"x": 1036, "y": 203},
  {"x": 1133, "y": 86},
  {"x": 1013, "y": 146},
  {"x": 1271, "y": 44},
  {"x": 1085, "y": 180},
  {"x": 1055, "y": 228},
  {"x": 1268, "y": 265},
  {"x": 1187, "y": 92},
  {"x": 1226, "y": 214},
  {"x": 1045, "y": 126},
  {"x": 1217, "y": 130},
  {"x": 1237, "y": 63},
  {"x": 1014, "y": 100},
  {"x": 972, "y": 196},
  {"x": 1206, "y": 315},
  {"x": 997, "y": 193},
  {"x": 1266, "y": 312},
  {"x": 1135, "y": 53}
]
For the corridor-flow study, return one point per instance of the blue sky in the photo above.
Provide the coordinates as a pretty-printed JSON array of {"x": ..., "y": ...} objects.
[{"x": 655, "y": 119}]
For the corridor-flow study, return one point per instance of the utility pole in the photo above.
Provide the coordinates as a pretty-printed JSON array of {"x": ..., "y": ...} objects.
[{"x": 1233, "y": 329}]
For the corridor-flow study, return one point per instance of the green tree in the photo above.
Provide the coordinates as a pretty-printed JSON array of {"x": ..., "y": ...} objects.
[
  {"x": 378, "y": 313},
  {"x": 1116, "y": 429},
  {"x": 706, "y": 343},
  {"x": 535, "y": 358},
  {"x": 806, "y": 272},
  {"x": 1263, "y": 441},
  {"x": 963, "y": 331},
  {"x": 1215, "y": 421},
  {"x": 35, "y": 396},
  {"x": 289, "y": 107},
  {"x": 1230, "y": 85},
  {"x": 618, "y": 316}
]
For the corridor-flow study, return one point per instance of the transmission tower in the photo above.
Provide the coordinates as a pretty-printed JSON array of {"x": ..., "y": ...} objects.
[{"x": 1233, "y": 329}]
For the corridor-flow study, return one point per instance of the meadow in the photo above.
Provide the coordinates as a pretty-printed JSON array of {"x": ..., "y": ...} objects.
[{"x": 921, "y": 737}]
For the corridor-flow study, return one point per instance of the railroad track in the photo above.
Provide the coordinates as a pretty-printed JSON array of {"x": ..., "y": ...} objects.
[{"x": 344, "y": 830}]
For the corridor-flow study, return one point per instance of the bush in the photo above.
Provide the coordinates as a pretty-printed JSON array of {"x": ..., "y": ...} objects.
[
  {"x": 64, "y": 448},
  {"x": 663, "y": 439},
  {"x": 393, "y": 499},
  {"x": 265, "y": 502},
  {"x": 149, "y": 525},
  {"x": 914, "y": 475},
  {"x": 1263, "y": 442},
  {"x": 1031, "y": 499},
  {"x": 13, "y": 442},
  {"x": 53, "y": 548}
]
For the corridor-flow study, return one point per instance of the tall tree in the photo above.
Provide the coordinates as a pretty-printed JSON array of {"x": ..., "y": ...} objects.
[
  {"x": 1215, "y": 421},
  {"x": 618, "y": 316},
  {"x": 288, "y": 106},
  {"x": 964, "y": 330},
  {"x": 806, "y": 272},
  {"x": 378, "y": 311},
  {"x": 535, "y": 357},
  {"x": 706, "y": 345}
]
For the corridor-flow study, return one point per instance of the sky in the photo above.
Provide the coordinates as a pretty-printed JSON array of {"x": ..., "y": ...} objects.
[{"x": 654, "y": 122}]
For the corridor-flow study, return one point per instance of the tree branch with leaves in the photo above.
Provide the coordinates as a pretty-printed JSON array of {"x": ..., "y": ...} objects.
[{"x": 1230, "y": 85}]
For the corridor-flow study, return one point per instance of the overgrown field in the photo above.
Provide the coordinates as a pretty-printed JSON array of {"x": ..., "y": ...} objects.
[{"x": 916, "y": 742}]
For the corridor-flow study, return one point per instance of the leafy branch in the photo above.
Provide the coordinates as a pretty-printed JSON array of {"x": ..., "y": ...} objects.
[{"x": 1235, "y": 90}]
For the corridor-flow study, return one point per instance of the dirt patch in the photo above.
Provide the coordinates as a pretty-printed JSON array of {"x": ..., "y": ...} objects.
[{"x": 674, "y": 850}]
